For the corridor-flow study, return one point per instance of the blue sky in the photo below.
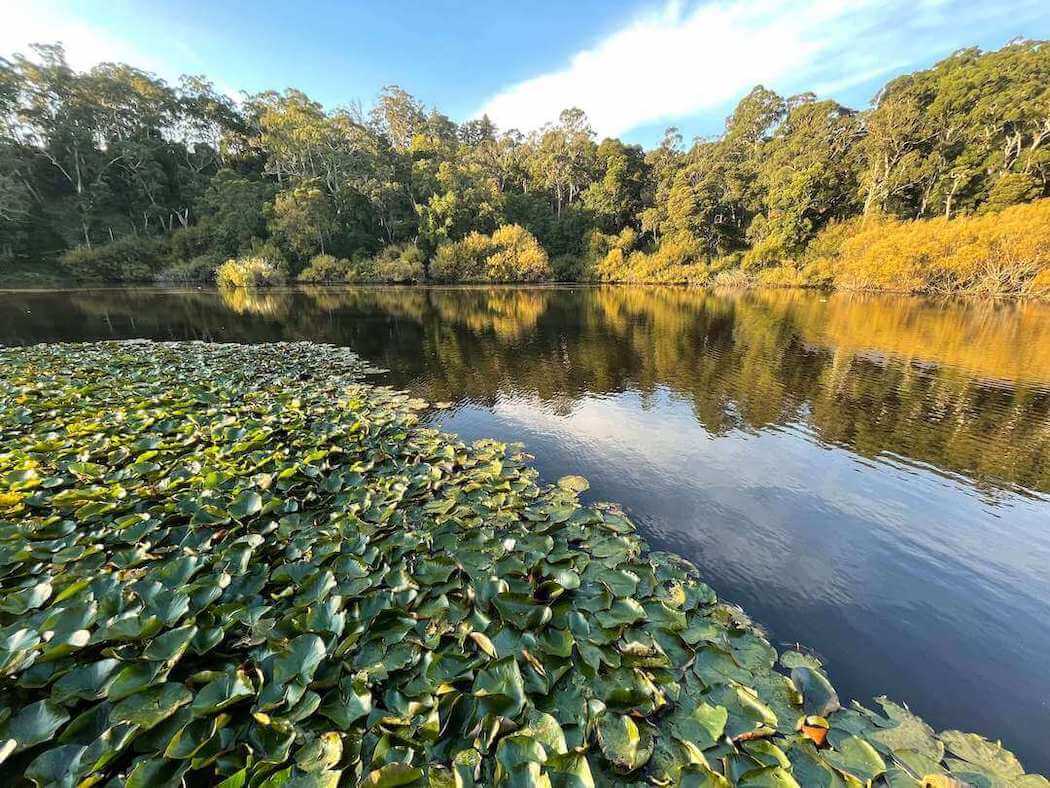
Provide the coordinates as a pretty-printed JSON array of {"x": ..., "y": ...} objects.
[{"x": 635, "y": 66}]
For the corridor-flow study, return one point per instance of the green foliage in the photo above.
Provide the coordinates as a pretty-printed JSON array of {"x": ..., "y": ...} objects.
[
  {"x": 399, "y": 264},
  {"x": 233, "y": 214},
  {"x": 324, "y": 268},
  {"x": 89, "y": 157},
  {"x": 130, "y": 259},
  {"x": 248, "y": 272},
  {"x": 226, "y": 570},
  {"x": 301, "y": 219},
  {"x": 197, "y": 269}
]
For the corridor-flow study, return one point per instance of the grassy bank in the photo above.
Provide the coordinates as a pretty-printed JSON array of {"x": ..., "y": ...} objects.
[{"x": 243, "y": 566}]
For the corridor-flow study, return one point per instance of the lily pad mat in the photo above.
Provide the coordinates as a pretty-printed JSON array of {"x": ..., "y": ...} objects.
[{"x": 243, "y": 566}]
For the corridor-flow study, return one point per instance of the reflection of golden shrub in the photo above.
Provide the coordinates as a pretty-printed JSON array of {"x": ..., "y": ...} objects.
[
  {"x": 251, "y": 301},
  {"x": 994, "y": 340},
  {"x": 1001, "y": 253},
  {"x": 507, "y": 312}
]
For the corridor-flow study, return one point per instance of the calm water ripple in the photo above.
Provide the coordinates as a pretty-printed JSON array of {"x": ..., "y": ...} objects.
[{"x": 869, "y": 476}]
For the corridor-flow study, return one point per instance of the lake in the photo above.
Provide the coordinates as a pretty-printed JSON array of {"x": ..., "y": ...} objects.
[{"x": 866, "y": 475}]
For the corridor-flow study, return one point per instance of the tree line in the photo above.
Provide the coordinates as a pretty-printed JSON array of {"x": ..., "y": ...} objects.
[{"x": 114, "y": 174}]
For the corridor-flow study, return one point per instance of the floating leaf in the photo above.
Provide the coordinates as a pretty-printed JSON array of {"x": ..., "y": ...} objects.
[
  {"x": 624, "y": 743},
  {"x": 855, "y": 756},
  {"x": 33, "y": 724},
  {"x": 152, "y": 705}
]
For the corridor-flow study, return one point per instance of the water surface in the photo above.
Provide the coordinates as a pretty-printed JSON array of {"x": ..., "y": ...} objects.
[{"x": 869, "y": 476}]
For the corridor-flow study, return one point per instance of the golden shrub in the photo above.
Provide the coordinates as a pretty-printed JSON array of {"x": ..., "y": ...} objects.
[
  {"x": 678, "y": 260},
  {"x": 511, "y": 254},
  {"x": 248, "y": 272},
  {"x": 995, "y": 253}
]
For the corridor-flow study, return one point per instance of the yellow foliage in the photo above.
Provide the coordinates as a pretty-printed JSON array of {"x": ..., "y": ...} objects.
[
  {"x": 518, "y": 257},
  {"x": 1004, "y": 253},
  {"x": 399, "y": 264},
  {"x": 678, "y": 260},
  {"x": 511, "y": 254},
  {"x": 248, "y": 272}
]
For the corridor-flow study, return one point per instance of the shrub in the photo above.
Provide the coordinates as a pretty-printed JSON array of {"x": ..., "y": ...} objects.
[
  {"x": 248, "y": 272},
  {"x": 1002, "y": 253},
  {"x": 128, "y": 259},
  {"x": 399, "y": 264},
  {"x": 511, "y": 254},
  {"x": 462, "y": 261},
  {"x": 678, "y": 260},
  {"x": 770, "y": 251},
  {"x": 199, "y": 269},
  {"x": 568, "y": 268},
  {"x": 518, "y": 256},
  {"x": 326, "y": 268},
  {"x": 732, "y": 277}
]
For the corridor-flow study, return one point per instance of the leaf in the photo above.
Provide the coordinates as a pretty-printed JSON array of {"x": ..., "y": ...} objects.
[
  {"x": 304, "y": 654},
  {"x": 223, "y": 692},
  {"x": 700, "y": 776},
  {"x": 246, "y": 504},
  {"x": 909, "y": 733},
  {"x": 818, "y": 696},
  {"x": 391, "y": 775},
  {"x": 56, "y": 767},
  {"x": 626, "y": 745},
  {"x": 501, "y": 688},
  {"x": 483, "y": 643},
  {"x": 768, "y": 777},
  {"x": 347, "y": 704},
  {"x": 521, "y": 611},
  {"x": 570, "y": 770},
  {"x": 855, "y": 756},
  {"x": 33, "y": 724},
  {"x": 574, "y": 484},
  {"x": 702, "y": 726},
  {"x": 981, "y": 752},
  {"x": 622, "y": 612},
  {"x": 321, "y": 754},
  {"x": 85, "y": 683},
  {"x": 151, "y": 706}
]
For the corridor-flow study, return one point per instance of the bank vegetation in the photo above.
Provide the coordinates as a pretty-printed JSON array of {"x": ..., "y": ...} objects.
[{"x": 940, "y": 185}]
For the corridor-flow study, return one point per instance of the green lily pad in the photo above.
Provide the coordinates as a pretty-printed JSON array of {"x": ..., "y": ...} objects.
[
  {"x": 149, "y": 707},
  {"x": 856, "y": 757},
  {"x": 32, "y": 725},
  {"x": 626, "y": 745}
]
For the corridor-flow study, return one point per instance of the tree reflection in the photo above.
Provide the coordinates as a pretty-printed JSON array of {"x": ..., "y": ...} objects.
[{"x": 961, "y": 386}]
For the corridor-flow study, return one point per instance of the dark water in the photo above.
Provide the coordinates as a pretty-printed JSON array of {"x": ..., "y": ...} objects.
[{"x": 869, "y": 476}]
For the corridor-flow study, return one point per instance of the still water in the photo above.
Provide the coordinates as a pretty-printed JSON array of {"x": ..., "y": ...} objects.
[{"x": 869, "y": 476}]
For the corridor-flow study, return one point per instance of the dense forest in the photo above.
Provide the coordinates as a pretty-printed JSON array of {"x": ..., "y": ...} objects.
[{"x": 115, "y": 175}]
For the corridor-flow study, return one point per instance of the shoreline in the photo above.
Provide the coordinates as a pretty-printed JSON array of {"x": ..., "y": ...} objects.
[{"x": 306, "y": 287}]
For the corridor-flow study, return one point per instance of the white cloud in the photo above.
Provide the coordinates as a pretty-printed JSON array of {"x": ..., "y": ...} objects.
[
  {"x": 87, "y": 44},
  {"x": 681, "y": 61},
  {"x": 28, "y": 23}
]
